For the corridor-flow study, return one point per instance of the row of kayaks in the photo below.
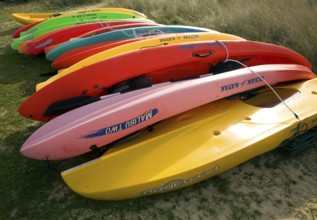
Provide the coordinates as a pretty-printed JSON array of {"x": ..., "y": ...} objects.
[{"x": 161, "y": 106}]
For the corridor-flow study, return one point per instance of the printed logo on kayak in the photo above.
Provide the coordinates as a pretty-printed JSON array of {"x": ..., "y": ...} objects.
[
  {"x": 83, "y": 15},
  {"x": 187, "y": 36},
  {"x": 124, "y": 125},
  {"x": 302, "y": 127},
  {"x": 44, "y": 44},
  {"x": 31, "y": 31},
  {"x": 232, "y": 86},
  {"x": 174, "y": 184},
  {"x": 201, "y": 45},
  {"x": 146, "y": 32}
]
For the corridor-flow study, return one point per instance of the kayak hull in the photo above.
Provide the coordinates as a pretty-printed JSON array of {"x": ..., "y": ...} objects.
[
  {"x": 121, "y": 35},
  {"x": 74, "y": 56},
  {"x": 16, "y": 33},
  {"x": 164, "y": 63},
  {"x": 30, "y": 18},
  {"x": 67, "y": 21}
]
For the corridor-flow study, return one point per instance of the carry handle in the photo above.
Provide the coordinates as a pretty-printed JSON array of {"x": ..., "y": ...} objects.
[{"x": 202, "y": 55}]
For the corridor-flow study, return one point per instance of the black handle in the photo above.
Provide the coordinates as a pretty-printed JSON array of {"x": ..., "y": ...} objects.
[
  {"x": 56, "y": 14},
  {"x": 202, "y": 55},
  {"x": 65, "y": 105}
]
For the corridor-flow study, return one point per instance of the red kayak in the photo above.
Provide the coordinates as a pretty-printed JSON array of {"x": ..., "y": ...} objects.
[
  {"x": 142, "y": 68},
  {"x": 37, "y": 46}
]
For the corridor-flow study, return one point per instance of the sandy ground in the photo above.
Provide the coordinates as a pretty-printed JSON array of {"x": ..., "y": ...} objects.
[{"x": 271, "y": 186}]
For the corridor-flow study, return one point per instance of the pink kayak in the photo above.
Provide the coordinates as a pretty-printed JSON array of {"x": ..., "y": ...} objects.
[{"x": 102, "y": 122}]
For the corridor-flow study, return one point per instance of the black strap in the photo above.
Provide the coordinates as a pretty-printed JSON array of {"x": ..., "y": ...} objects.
[{"x": 202, "y": 55}]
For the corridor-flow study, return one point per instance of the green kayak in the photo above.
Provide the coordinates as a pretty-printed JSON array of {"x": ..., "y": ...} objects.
[{"x": 66, "y": 21}]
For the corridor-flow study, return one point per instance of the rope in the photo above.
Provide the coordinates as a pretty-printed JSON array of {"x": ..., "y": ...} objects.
[
  {"x": 157, "y": 30},
  {"x": 253, "y": 72},
  {"x": 299, "y": 131},
  {"x": 134, "y": 34}
]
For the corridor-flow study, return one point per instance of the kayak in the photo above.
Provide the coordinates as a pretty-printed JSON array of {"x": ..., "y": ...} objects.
[
  {"x": 198, "y": 144},
  {"x": 29, "y": 18},
  {"x": 104, "y": 121},
  {"x": 103, "y": 30},
  {"x": 159, "y": 64},
  {"x": 152, "y": 42},
  {"x": 74, "y": 56},
  {"x": 88, "y": 15},
  {"x": 37, "y": 46},
  {"x": 16, "y": 33},
  {"x": 121, "y": 35},
  {"x": 66, "y": 21},
  {"x": 162, "y": 41}
]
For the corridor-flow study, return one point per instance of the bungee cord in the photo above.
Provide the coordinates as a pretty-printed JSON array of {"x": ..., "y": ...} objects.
[
  {"x": 301, "y": 127},
  {"x": 253, "y": 72}
]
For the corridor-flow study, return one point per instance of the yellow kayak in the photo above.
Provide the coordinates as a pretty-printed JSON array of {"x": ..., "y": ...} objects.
[
  {"x": 198, "y": 144},
  {"x": 29, "y": 18},
  {"x": 152, "y": 42}
]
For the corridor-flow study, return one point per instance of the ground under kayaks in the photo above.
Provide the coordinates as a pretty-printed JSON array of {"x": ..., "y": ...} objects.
[
  {"x": 159, "y": 64},
  {"x": 72, "y": 57},
  {"x": 66, "y": 21},
  {"x": 29, "y": 18},
  {"x": 197, "y": 144},
  {"x": 37, "y": 46},
  {"x": 105, "y": 121},
  {"x": 121, "y": 35}
]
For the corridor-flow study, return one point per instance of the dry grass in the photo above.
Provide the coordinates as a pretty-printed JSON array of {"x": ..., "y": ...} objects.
[{"x": 287, "y": 23}]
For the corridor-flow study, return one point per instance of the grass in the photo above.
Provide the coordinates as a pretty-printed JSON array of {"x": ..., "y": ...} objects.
[{"x": 270, "y": 186}]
